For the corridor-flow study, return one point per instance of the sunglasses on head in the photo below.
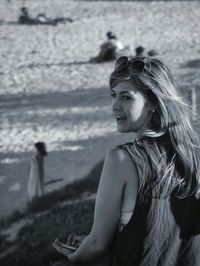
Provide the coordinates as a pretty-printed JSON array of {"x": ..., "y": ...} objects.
[{"x": 135, "y": 65}]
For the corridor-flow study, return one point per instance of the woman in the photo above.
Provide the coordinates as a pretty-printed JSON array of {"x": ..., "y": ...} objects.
[
  {"x": 36, "y": 172},
  {"x": 147, "y": 209}
]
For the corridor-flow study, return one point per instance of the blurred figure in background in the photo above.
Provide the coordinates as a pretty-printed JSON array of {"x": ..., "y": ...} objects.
[
  {"x": 109, "y": 49},
  {"x": 152, "y": 52},
  {"x": 113, "y": 39},
  {"x": 36, "y": 172},
  {"x": 139, "y": 51},
  {"x": 40, "y": 19},
  {"x": 24, "y": 17}
]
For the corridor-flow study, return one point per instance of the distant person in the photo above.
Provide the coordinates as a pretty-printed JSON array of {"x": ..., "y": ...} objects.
[
  {"x": 109, "y": 49},
  {"x": 36, "y": 172},
  {"x": 24, "y": 17},
  {"x": 152, "y": 52},
  {"x": 113, "y": 38},
  {"x": 41, "y": 19},
  {"x": 139, "y": 51}
]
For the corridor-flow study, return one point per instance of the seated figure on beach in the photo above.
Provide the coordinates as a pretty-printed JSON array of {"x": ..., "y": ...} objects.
[
  {"x": 109, "y": 49},
  {"x": 139, "y": 51},
  {"x": 152, "y": 52},
  {"x": 41, "y": 18},
  {"x": 24, "y": 17}
]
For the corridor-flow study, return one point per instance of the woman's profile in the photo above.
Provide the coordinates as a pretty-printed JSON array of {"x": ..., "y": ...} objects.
[{"x": 147, "y": 209}]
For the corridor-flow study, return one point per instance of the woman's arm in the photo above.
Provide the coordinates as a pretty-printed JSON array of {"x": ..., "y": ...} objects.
[{"x": 118, "y": 167}]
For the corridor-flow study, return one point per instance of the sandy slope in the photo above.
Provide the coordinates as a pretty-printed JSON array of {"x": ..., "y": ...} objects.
[{"x": 49, "y": 92}]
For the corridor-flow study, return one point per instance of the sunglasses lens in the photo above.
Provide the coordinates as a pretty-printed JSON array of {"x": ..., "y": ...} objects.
[
  {"x": 137, "y": 65},
  {"x": 121, "y": 61},
  {"x": 134, "y": 65}
]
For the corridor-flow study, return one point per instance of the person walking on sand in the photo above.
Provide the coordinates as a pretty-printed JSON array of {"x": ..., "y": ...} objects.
[{"x": 36, "y": 172}]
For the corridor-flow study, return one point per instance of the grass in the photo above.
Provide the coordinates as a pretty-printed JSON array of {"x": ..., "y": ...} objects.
[
  {"x": 69, "y": 192},
  {"x": 33, "y": 244},
  {"x": 35, "y": 240}
]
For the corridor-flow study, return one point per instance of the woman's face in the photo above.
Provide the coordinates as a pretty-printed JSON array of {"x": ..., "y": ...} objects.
[{"x": 131, "y": 107}]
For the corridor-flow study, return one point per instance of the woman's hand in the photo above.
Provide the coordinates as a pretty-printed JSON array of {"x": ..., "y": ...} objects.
[
  {"x": 72, "y": 240},
  {"x": 62, "y": 250},
  {"x": 75, "y": 241}
]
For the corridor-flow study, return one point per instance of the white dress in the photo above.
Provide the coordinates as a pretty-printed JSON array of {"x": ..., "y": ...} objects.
[{"x": 35, "y": 179}]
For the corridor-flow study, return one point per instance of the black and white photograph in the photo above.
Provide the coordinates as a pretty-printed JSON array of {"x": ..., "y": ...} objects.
[{"x": 99, "y": 133}]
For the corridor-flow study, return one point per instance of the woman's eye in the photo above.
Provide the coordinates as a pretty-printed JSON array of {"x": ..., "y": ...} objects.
[
  {"x": 126, "y": 98},
  {"x": 113, "y": 95}
]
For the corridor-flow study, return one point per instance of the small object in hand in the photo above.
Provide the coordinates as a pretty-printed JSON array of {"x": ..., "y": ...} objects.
[{"x": 67, "y": 246}]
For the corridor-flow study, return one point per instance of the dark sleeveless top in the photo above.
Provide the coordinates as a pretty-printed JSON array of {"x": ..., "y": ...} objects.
[{"x": 163, "y": 230}]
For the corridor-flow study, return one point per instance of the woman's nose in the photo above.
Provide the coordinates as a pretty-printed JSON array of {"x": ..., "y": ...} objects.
[{"x": 116, "y": 105}]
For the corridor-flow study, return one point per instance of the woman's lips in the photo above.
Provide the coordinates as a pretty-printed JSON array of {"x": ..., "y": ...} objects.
[{"x": 120, "y": 118}]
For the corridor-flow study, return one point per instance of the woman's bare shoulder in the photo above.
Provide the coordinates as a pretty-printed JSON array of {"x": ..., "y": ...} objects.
[
  {"x": 120, "y": 157},
  {"x": 121, "y": 167}
]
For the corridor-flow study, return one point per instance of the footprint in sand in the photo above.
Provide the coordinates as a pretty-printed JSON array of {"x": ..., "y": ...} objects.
[{"x": 15, "y": 187}]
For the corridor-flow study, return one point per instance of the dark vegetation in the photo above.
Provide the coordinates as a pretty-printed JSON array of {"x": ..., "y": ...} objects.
[{"x": 50, "y": 219}]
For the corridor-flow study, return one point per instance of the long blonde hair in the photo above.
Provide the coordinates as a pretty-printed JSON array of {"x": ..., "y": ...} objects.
[{"x": 171, "y": 121}]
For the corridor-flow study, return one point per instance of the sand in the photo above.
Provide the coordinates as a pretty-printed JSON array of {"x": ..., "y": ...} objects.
[{"x": 49, "y": 92}]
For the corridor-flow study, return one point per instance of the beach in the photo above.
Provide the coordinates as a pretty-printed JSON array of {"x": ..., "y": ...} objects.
[{"x": 49, "y": 92}]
